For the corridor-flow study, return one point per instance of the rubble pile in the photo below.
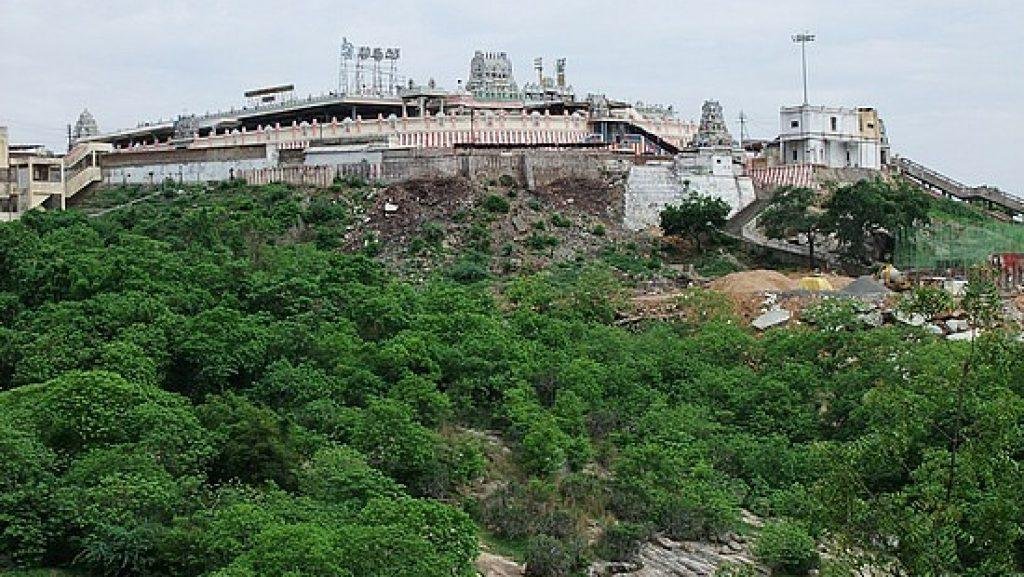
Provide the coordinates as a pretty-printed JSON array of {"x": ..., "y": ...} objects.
[
  {"x": 422, "y": 224},
  {"x": 589, "y": 195},
  {"x": 875, "y": 306}
]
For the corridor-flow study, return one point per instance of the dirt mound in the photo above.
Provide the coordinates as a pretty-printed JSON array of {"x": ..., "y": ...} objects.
[
  {"x": 753, "y": 281},
  {"x": 838, "y": 282},
  {"x": 426, "y": 224},
  {"x": 589, "y": 195},
  {"x": 403, "y": 207}
]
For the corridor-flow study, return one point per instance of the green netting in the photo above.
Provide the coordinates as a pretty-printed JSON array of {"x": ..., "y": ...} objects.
[{"x": 955, "y": 245}]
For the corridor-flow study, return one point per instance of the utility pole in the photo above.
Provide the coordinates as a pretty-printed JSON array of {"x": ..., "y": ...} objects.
[
  {"x": 803, "y": 39},
  {"x": 743, "y": 128}
]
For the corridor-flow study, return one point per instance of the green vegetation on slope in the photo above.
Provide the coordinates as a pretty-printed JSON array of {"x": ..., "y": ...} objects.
[{"x": 205, "y": 385}]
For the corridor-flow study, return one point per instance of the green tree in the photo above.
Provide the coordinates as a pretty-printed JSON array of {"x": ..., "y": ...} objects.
[
  {"x": 696, "y": 218},
  {"x": 786, "y": 547},
  {"x": 856, "y": 210},
  {"x": 341, "y": 476},
  {"x": 388, "y": 434},
  {"x": 253, "y": 444},
  {"x": 793, "y": 210}
]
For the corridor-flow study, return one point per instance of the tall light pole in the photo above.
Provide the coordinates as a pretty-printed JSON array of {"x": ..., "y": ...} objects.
[{"x": 803, "y": 39}]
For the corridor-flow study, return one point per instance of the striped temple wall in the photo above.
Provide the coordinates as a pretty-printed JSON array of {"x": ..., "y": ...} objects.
[
  {"x": 786, "y": 175},
  {"x": 438, "y": 131}
]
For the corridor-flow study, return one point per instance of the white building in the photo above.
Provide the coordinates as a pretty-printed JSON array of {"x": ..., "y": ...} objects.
[{"x": 832, "y": 137}]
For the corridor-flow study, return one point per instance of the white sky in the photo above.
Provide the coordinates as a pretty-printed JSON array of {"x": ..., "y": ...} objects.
[{"x": 946, "y": 75}]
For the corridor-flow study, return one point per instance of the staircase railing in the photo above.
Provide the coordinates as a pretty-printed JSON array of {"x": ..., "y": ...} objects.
[{"x": 82, "y": 179}]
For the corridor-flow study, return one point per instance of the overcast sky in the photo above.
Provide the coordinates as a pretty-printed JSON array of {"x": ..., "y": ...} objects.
[{"x": 946, "y": 75}]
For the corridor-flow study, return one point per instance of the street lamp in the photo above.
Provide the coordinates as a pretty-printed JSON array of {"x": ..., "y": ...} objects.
[{"x": 803, "y": 39}]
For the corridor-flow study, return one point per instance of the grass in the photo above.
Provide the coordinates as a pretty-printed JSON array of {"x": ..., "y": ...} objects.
[{"x": 511, "y": 548}]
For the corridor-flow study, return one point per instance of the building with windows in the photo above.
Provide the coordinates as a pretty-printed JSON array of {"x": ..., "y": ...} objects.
[{"x": 832, "y": 137}]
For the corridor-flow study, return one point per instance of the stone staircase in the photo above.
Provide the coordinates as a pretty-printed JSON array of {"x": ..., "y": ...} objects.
[{"x": 935, "y": 181}]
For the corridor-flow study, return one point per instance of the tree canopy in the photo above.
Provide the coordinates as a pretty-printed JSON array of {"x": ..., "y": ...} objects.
[
  {"x": 697, "y": 217},
  {"x": 192, "y": 387}
]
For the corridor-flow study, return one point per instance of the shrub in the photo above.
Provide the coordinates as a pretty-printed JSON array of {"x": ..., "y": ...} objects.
[
  {"x": 833, "y": 315},
  {"x": 598, "y": 230},
  {"x": 541, "y": 241},
  {"x": 471, "y": 268},
  {"x": 622, "y": 541},
  {"x": 321, "y": 210},
  {"x": 507, "y": 180},
  {"x": 512, "y": 511},
  {"x": 560, "y": 221},
  {"x": 496, "y": 204},
  {"x": 786, "y": 546},
  {"x": 550, "y": 557},
  {"x": 558, "y": 524},
  {"x": 433, "y": 233}
]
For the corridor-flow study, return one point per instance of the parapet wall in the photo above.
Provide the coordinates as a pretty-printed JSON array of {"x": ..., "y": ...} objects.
[
  {"x": 261, "y": 164},
  {"x": 530, "y": 168},
  {"x": 184, "y": 165}
]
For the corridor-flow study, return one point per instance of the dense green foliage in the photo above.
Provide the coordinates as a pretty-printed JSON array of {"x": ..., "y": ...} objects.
[
  {"x": 200, "y": 386},
  {"x": 697, "y": 217},
  {"x": 786, "y": 547},
  {"x": 857, "y": 210}
]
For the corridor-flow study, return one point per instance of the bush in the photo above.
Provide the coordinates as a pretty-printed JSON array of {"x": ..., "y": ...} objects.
[
  {"x": 833, "y": 315},
  {"x": 598, "y": 230},
  {"x": 513, "y": 511},
  {"x": 507, "y": 180},
  {"x": 560, "y": 221},
  {"x": 433, "y": 233},
  {"x": 549, "y": 557},
  {"x": 495, "y": 203},
  {"x": 622, "y": 541},
  {"x": 470, "y": 269},
  {"x": 786, "y": 547},
  {"x": 541, "y": 241}
]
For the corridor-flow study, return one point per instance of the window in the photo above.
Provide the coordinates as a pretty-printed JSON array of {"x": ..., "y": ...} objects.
[
  {"x": 794, "y": 155},
  {"x": 835, "y": 124},
  {"x": 794, "y": 123},
  {"x": 871, "y": 125}
]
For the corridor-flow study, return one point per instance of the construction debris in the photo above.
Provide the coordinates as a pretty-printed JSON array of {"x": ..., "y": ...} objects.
[
  {"x": 964, "y": 336},
  {"x": 865, "y": 287},
  {"x": 753, "y": 281},
  {"x": 815, "y": 284},
  {"x": 772, "y": 318},
  {"x": 913, "y": 319}
]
